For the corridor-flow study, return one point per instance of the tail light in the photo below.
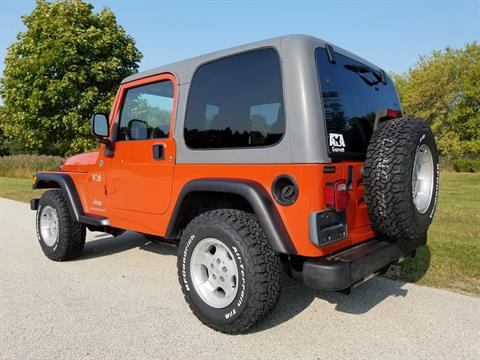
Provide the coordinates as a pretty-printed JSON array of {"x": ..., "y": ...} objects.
[
  {"x": 385, "y": 114},
  {"x": 393, "y": 114},
  {"x": 336, "y": 195}
]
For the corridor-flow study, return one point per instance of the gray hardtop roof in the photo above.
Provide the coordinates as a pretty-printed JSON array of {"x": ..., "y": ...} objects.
[{"x": 183, "y": 70}]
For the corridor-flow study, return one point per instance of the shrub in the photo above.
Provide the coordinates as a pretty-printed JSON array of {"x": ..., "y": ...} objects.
[
  {"x": 466, "y": 165},
  {"x": 24, "y": 166}
]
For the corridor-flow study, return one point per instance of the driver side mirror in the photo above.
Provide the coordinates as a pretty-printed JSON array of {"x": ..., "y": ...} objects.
[{"x": 99, "y": 126}]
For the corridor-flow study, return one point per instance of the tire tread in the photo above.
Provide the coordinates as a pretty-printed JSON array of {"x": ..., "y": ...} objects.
[{"x": 387, "y": 177}]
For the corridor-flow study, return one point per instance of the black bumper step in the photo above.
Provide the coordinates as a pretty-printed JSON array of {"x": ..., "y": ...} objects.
[{"x": 342, "y": 270}]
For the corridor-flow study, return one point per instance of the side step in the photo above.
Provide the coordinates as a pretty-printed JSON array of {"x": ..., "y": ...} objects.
[
  {"x": 350, "y": 267},
  {"x": 93, "y": 220}
]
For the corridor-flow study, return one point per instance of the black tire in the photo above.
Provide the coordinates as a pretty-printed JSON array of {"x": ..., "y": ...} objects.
[
  {"x": 71, "y": 234},
  {"x": 241, "y": 233},
  {"x": 388, "y": 175}
]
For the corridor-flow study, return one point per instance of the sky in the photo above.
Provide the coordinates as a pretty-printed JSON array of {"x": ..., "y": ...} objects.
[{"x": 391, "y": 34}]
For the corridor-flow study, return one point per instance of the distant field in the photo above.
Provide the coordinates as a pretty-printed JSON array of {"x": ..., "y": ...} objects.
[
  {"x": 24, "y": 166},
  {"x": 450, "y": 260}
]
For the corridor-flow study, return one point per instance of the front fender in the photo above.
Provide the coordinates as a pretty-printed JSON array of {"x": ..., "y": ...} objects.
[{"x": 49, "y": 180}]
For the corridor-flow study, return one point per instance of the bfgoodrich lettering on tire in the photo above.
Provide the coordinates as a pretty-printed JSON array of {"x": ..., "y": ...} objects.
[
  {"x": 59, "y": 234},
  {"x": 401, "y": 178},
  {"x": 229, "y": 274}
]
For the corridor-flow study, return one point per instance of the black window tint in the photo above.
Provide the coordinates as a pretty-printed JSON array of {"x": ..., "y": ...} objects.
[
  {"x": 352, "y": 94},
  {"x": 146, "y": 112},
  {"x": 236, "y": 102}
]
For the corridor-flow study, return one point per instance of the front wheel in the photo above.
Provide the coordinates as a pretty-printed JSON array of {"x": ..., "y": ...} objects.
[
  {"x": 59, "y": 234},
  {"x": 230, "y": 275}
]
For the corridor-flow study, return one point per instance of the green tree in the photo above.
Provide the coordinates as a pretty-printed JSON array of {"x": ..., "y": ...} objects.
[
  {"x": 444, "y": 89},
  {"x": 3, "y": 146},
  {"x": 66, "y": 65}
]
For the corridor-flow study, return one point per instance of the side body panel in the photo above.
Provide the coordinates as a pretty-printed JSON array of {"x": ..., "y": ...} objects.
[{"x": 310, "y": 179}]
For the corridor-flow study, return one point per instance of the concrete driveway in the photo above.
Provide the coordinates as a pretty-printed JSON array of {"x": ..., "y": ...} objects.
[{"x": 122, "y": 300}]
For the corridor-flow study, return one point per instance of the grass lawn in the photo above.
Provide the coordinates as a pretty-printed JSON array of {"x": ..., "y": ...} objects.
[
  {"x": 450, "y": 260},
  {"x": 18, "y": 189},
  {"x": 452, "y": 254}
]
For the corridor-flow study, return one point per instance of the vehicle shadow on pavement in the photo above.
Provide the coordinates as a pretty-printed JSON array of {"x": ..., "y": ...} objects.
[
  {"x": 105, "y": 244},
  {"x": 295, "y": 298}
]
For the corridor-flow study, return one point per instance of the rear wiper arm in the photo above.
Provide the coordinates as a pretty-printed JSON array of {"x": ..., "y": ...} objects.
[{"x": 361, "y": 69}]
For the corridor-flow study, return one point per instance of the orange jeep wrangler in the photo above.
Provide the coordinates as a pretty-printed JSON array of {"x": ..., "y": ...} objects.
[{"x": 289, "y": 152}]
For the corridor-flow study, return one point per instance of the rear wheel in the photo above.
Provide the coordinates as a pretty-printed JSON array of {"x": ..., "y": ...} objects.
[
  {"x": 229, "y": 274},
  {"x": 60, "y": 235},
  {"x": 401, "y": 178}
]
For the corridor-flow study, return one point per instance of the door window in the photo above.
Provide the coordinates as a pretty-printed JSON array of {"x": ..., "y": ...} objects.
[{"x": 147, "y": 112}]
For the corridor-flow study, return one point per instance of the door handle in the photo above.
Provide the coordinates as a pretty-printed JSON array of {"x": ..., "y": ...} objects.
[{"x": 159, "y": 151}]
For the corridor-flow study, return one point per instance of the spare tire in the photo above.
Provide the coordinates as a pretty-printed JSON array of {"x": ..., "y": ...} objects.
[{"x": 401, "y": 179}]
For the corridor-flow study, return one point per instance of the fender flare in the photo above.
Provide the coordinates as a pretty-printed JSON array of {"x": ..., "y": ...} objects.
[
  {"x": 258, "y": 198},
  {"x": 51, "y": 180}
]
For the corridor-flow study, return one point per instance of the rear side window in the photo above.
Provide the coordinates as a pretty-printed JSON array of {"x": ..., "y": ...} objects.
[
  {"x": 236, "y": 102},
  {"x": 352, "y": 94}
]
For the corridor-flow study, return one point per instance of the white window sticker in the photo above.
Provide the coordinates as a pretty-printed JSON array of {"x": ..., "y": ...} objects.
[{"x": 337, "y": 144}]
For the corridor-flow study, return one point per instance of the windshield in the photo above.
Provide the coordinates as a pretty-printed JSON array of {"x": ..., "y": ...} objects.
[{"x": 352, "y": 94}]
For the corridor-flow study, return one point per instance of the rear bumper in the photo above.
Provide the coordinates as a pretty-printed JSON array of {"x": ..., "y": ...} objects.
[{"x": 343, "y": 270}]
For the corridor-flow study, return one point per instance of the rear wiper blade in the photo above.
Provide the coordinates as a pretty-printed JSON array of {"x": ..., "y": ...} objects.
[{"x": 361, "y": 69}]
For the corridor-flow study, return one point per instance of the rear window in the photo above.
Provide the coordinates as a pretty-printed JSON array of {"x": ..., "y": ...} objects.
[
  {"x": 236, "y": 102},
  {"x": 352, "y": 94}
]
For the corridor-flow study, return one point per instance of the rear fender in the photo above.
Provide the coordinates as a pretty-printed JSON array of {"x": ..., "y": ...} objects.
[{"x": 258, "y": 198}]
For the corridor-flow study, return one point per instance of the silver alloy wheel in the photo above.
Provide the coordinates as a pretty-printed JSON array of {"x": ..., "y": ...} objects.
[
  {"x": 214, "y": 273},
  {"x": 49, "y": 225},
  {"x": 422, "y": 178}
]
